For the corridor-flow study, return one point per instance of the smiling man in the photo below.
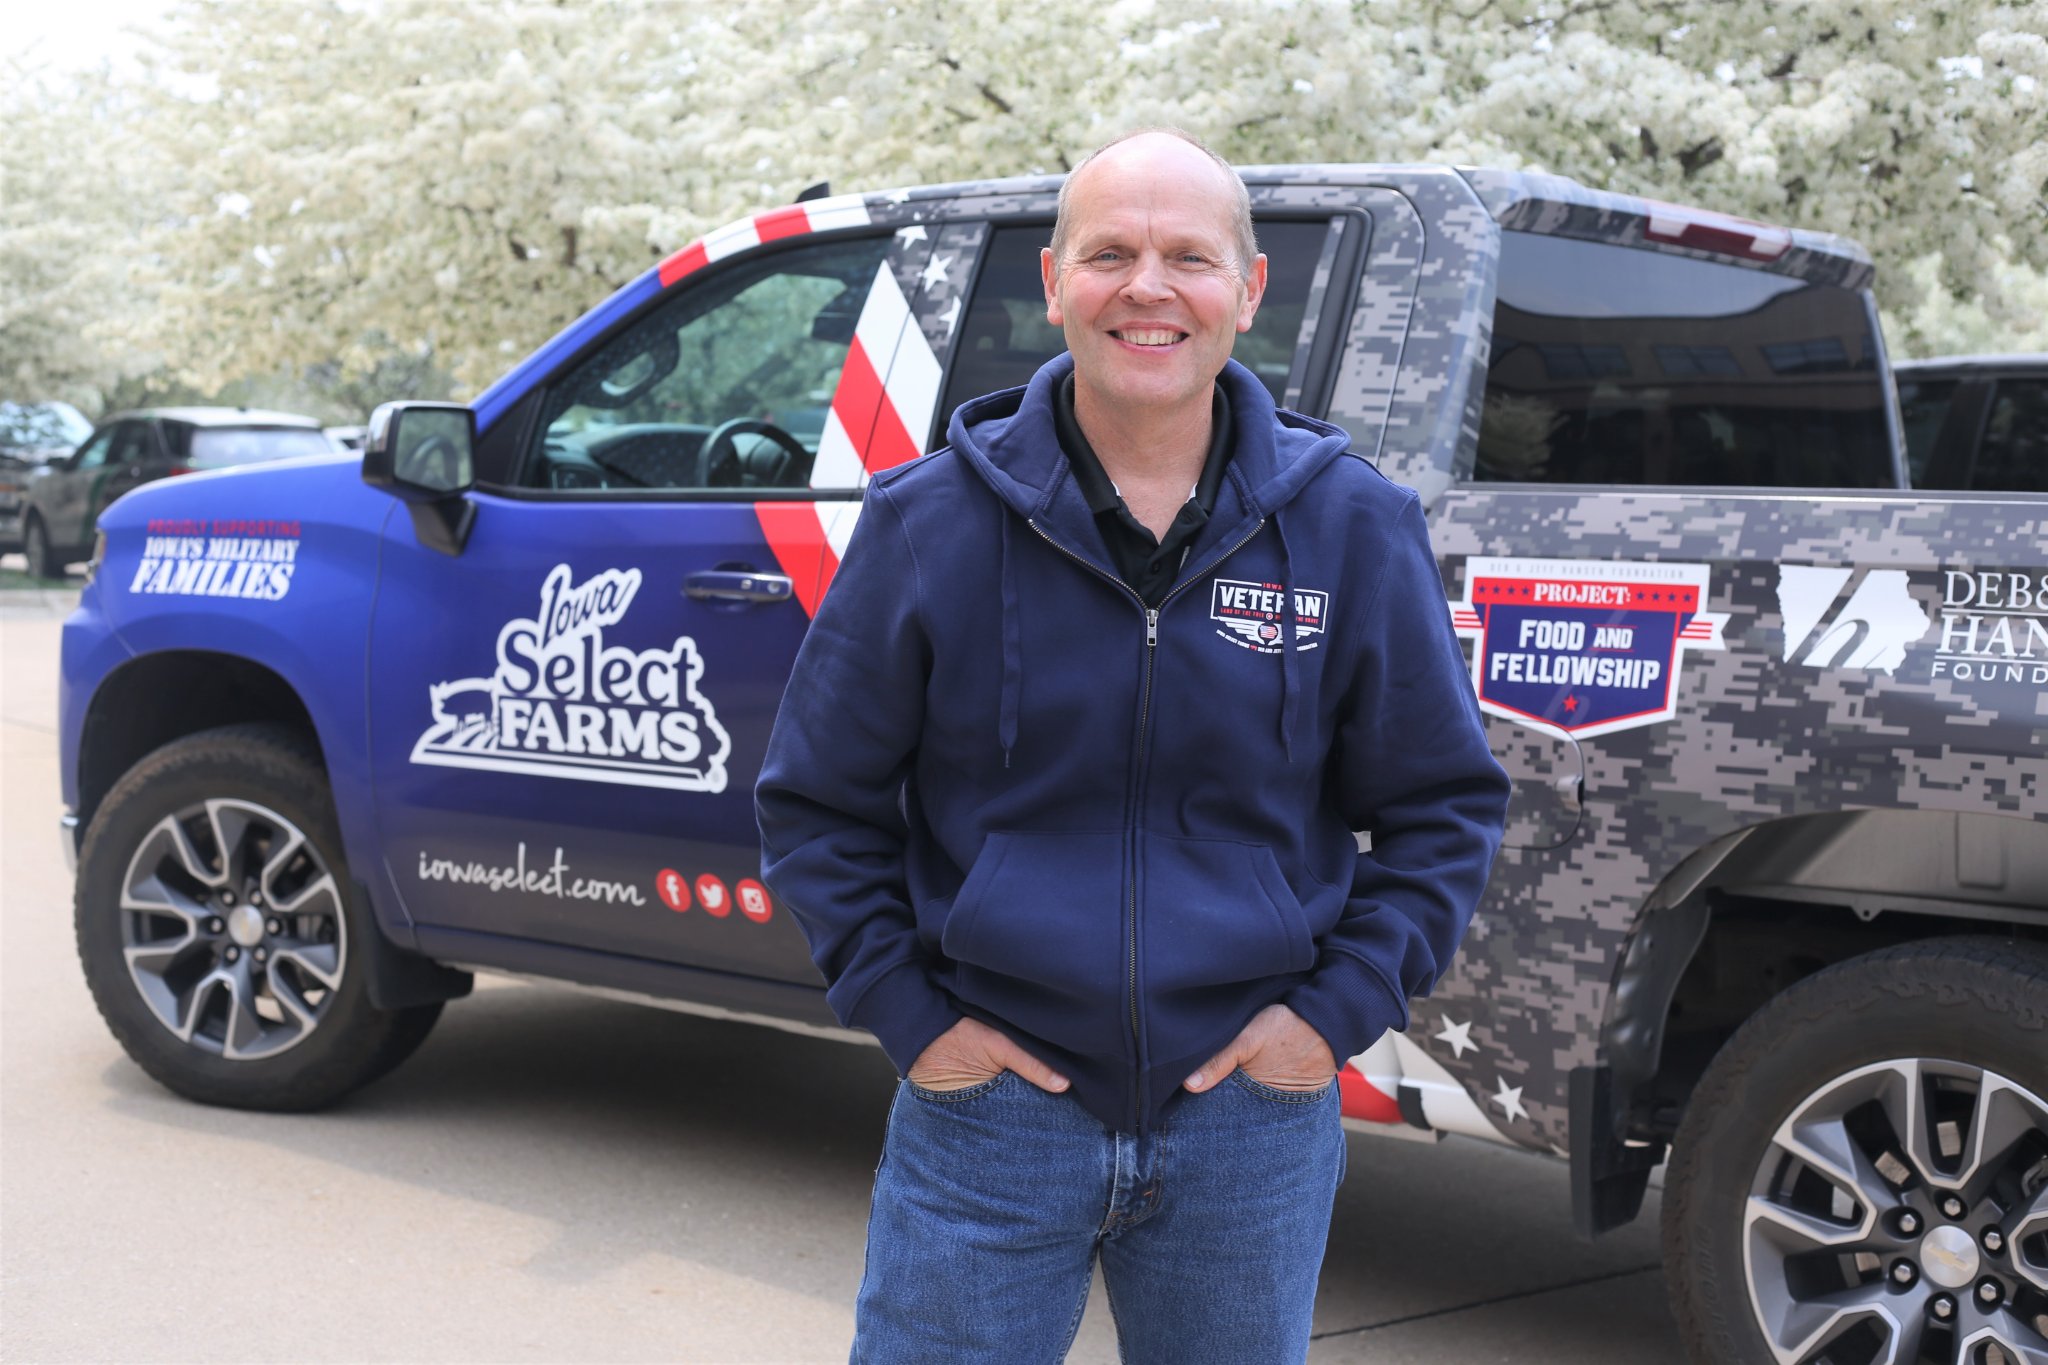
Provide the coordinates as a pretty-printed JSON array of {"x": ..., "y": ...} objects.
[{"x": 1064, "y": 793}]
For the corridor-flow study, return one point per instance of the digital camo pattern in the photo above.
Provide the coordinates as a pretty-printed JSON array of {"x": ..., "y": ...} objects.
[
  {"x": 1432, "y": 430},
  {"x": 911, "y": 251},
  {"x": 1525, "y": 202},
  {"x": 1756, "y": 736},
  {"x": 1369, "y": 367},
  {"x": 942, "y": 297}
]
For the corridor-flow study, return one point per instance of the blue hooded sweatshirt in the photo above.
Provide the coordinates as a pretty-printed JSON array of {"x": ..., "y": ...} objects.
[{"x": 999, "y": 786}]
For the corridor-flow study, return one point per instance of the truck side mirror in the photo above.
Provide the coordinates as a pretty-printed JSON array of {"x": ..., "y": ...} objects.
[{"x": 423, "y": 455}]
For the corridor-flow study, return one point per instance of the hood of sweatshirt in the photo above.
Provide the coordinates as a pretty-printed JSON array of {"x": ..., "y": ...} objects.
[{"x": 1010, "y": 440}]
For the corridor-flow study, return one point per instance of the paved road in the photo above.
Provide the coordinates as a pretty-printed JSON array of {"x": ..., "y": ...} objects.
[{"x": 562, "y": 1178}]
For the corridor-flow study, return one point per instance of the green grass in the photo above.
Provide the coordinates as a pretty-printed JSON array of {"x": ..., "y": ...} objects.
[{"x": 14, "y": 580}]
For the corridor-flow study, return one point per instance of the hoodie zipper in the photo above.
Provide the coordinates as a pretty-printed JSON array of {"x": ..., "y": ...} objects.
[{"x": 1144, "y": 761}]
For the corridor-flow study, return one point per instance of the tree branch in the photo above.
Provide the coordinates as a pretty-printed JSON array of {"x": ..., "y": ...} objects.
[
  {"x": 1002, "y": 105},
  {"x": 1699, "y": 156}
]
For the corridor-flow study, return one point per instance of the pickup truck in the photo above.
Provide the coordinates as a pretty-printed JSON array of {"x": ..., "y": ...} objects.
[{"x": 338, "y": 734}]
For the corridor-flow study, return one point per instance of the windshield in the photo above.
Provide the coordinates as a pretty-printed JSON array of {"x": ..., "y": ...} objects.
[
  {"x": 41, "y": 426},
  {"x": 218, "y": 447}
]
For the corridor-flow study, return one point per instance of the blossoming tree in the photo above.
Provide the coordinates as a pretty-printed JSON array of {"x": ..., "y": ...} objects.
[{"x": 346, "y": 179}]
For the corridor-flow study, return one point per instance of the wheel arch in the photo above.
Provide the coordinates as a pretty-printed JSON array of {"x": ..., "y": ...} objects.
[
  {"x": 1749, "y": 915},
  {"x": 155, "y": 698},
  {"x": 128, "y": 719}
]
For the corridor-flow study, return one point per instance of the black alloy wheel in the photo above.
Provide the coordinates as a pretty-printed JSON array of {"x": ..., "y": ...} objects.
[
  {"x": 218, "y": 930},
  {"x": 1861, "y": 1177}
]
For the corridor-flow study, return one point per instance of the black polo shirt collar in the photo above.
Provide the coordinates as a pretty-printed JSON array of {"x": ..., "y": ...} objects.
[{"x": 1147, "y": 565}]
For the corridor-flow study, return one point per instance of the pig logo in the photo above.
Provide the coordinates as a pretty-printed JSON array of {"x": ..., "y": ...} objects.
[{"x": 564, "y": 702}]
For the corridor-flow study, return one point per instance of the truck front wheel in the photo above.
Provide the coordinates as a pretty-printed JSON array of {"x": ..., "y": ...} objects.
[
  {"x": 1862, "y": 1174},
  {"x": 218, "y": 930}
]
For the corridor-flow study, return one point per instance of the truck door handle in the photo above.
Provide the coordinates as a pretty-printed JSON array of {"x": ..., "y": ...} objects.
[{"x": 736, "y": 586}]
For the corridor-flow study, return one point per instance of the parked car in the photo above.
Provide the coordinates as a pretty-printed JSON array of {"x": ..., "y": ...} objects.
[
  {"x": 130, "y": 449},
  {"x": 1774, "y": 898},
  {"x": 31, "y": 436},
  {"x": 1976, "y": 421},
  {"x": 347, "y": 438}
]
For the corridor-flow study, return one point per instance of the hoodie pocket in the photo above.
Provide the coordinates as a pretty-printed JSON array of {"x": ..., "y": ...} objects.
[
  {"x": 1219, "y": 921},
  {"x": 1036, "y": 936},
  {"x": 1217, "y": 911}
]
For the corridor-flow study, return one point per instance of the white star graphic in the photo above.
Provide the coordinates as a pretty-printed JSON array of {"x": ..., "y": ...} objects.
[
  {"x": 914, "y": 233},
  {"x": 935, "y": 270},
  {"x": 1458, "y": 1037},
  {"x": 951, "y": 315},
  {"x": 1510, "y": 1100}
]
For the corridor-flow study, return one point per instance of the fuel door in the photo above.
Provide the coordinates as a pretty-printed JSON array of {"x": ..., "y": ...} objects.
[{"x": 1548, "y": 770}]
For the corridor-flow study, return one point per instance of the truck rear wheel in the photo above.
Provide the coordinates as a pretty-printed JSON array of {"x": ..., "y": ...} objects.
[
  {"x": 218, "y": 930},
  {"x": 1862, "y": 1174}
]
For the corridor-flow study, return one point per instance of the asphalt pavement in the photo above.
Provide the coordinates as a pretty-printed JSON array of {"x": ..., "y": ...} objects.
[{"x": 558, "y": 1177}]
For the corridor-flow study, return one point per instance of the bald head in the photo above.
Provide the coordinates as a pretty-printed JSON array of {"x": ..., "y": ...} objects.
[{"x": 1170, "y": 151}]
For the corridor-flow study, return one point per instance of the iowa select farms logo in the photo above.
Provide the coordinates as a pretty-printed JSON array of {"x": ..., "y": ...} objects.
[
  {"x": 563, "y": 703},
  {"x": 1583, "y": 647}
]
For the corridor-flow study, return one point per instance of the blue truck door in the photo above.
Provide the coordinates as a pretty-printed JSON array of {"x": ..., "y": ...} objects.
[{"x": 568, "y": 718}]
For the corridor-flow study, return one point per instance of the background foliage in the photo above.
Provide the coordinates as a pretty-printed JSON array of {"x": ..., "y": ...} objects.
[{"x": 333, "y": 196}]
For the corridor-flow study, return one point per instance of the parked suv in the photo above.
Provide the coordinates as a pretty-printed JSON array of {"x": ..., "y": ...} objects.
[
  {"x": 1976, "y": 421},
  {"x": 130, "y": 449},
  {"x": 32, "y": 435},
  {"x": 1774, "y": 897}
]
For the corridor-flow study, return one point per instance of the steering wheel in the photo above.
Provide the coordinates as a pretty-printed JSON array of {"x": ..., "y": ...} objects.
[{"x": 720, "y": 457}]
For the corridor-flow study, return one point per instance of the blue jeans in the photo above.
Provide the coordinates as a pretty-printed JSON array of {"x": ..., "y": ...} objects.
[{"x": 992, "y": 1203}]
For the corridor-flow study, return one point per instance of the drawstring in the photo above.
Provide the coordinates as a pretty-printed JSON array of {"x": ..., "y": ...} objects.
[
  {"x": 1290, "y": 684},
  {"x": 1006, "y": 723}
]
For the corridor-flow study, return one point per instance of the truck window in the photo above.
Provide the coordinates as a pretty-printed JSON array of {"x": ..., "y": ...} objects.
[
  {"x": 763, "y": 343},
  {"x": 1005, "y": 337},
  {"x": 2013, "y": 456},
  {"x": 1615, "y": 365},
  {"x": 1923, "y": 406}
]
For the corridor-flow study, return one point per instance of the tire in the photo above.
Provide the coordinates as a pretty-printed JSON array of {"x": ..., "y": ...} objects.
[
  {"x": 1923, "y": 1070},
  {"x": 36, "y": 548},
  {"x": 250, "y": 1001}
]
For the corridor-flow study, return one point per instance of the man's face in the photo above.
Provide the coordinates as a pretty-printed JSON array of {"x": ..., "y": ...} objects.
[{"x": 1149, "y": 295}]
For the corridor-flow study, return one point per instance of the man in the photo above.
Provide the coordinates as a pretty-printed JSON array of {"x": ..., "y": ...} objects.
[{"x": 1063, "y": 793}]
